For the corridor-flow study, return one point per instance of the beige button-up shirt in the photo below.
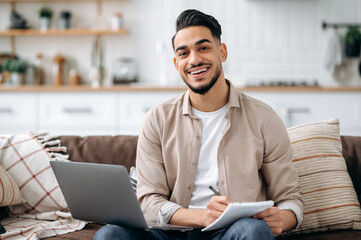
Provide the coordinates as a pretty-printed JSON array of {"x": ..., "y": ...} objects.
[{"x": 254, "y": 155}]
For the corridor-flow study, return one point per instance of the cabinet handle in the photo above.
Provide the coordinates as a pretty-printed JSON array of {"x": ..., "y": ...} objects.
[
  {"x": 6, "y": 110},
  {"x": 76, "y": 110}
]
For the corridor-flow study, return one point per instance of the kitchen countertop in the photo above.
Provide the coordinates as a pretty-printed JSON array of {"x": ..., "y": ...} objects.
[{"x": 157, "y": 88}]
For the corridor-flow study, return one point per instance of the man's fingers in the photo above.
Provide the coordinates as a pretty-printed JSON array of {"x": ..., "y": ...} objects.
[
  {"x": 220, "y": 199},
  {"x": 215, "y": 208},
  {"x": 266, "y": 213},
  {"x": 214, "y": 213},
  {"x": 272, "y": 216},
  {"x": 218, "y": 203}
]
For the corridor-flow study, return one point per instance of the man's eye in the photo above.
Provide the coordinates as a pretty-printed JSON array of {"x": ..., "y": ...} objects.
[
  {"x": 181, "y": 54},
  {"x": 204, "y": 48}
]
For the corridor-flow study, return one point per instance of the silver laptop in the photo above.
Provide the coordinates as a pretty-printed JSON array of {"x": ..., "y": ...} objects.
[{"x": 102, "y": 193}]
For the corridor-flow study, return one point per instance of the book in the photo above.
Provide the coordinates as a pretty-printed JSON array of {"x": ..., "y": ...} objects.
[{"x": 236, "y": 210}]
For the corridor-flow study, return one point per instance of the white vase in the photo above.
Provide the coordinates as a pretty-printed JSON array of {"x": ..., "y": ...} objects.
[
  {"x": 44, "y": 23},
  {"x": 16, "y": 79},
  {"x": 96, "y": 77}
]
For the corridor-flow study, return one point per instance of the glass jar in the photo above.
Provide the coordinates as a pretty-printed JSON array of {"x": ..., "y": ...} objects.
[
  {"x": 124, "y": 71},
  {"x": 116, "y": 21}
]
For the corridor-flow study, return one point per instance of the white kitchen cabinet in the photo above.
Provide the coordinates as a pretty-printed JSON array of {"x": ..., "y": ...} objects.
[
  {"x": 132, "y": 108},
  {"x": 18, "y": 112},
  {"x": 77, "y": 113},
  {"x": 297, "y": 108},
  {"x": 121, "y": 112}
]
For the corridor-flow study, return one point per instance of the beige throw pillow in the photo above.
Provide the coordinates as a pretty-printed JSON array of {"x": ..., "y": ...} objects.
[
  {"x": 9, "y": 191},
  {"x": 330, "y": 200},
  {"x": 26, "y": 157}
]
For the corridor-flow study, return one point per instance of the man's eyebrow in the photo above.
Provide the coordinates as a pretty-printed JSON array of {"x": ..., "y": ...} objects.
[
  {"x": 196, "y": 43},
  {"x": 202, "y": 41},
  {"x": 181, "y": 48}
]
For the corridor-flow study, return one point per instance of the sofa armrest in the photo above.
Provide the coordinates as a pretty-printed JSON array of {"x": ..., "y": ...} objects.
[{"x": 351, "y": 151}]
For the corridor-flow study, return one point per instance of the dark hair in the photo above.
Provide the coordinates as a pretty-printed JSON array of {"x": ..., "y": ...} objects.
[{"x": 193, "y": 17}]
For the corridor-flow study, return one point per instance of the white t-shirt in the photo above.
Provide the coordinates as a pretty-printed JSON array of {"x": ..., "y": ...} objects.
[{"x": 207, "y": 171}]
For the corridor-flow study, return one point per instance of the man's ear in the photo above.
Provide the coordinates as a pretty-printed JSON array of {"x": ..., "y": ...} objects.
[
  {"x": 175, "y": 63},
  {"x": 223, "y": 50}
]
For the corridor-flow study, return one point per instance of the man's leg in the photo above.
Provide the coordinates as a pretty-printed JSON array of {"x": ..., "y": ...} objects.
[
  {"x": 246, "y": 229},
  {"x": 115, "y": 232}
]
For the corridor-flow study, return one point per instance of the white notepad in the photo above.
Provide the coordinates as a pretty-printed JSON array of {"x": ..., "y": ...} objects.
[{"x": 235, "y": 211}]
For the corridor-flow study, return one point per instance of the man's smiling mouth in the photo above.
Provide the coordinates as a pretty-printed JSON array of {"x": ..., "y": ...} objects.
[{"x": 198, "y": 71}]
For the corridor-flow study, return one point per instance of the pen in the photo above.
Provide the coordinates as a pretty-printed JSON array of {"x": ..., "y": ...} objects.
[{"x": 214, "y": 190}]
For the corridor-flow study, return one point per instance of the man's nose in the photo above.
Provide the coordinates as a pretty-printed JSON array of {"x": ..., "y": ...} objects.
[{"x": 194, "y": 58}]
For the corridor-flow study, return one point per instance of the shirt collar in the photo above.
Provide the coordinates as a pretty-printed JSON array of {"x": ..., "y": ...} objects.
[
  {"x": 233, "y": 95},
  {"x": 233, "y": 99},
  {"x": 186, "y": 104}
]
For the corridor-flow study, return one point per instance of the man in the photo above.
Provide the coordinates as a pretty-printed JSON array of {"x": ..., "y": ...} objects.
[{"x": 212, "y": 135}]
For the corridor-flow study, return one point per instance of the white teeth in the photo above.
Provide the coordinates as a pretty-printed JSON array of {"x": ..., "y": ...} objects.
[{"x": 199, "y": 71}]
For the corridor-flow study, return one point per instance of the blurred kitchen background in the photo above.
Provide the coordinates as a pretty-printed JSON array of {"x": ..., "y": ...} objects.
[{"x": 288, "y": 43}]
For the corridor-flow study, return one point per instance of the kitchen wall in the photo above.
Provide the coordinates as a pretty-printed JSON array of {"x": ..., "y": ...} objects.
[{"x": 265, "y": 38}]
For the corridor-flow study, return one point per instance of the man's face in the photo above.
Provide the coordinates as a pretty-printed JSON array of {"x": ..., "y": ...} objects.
[{"x": 198, "y": 58}]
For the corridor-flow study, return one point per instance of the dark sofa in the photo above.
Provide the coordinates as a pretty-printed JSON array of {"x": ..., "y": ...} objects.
[{"x": 122, "y": 150}]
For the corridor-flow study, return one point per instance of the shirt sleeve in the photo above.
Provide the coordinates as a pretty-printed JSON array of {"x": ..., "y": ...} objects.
[
  {"x": 152, "y": 189},
  {"x": 295, "y": 209},
  {"x": 278, "y": 169},
  {"x": 166, "y": 212}
]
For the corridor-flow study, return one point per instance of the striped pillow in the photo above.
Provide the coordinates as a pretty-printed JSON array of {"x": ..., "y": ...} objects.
[
  {"x": 330, "y": 200},
  {"x": 9, "y": 191}
]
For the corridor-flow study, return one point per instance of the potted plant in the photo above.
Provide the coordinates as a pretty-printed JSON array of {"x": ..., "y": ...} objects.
[
  {"x": 2, "y": 75},
  {"x": 64, "y": 20},
  {"x": 45, "y": 15},
  {"x": 353, "y": 42},
  {"x": 17, "y": 69}
]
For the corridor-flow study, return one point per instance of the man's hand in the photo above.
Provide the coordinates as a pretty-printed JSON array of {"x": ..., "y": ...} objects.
[
  {"x": 215, "y": 208},
  {"x": 200, "y": 217},
  {"x": 278, "y": 220}
]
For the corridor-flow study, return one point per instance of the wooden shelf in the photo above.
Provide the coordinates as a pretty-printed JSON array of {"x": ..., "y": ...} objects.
[
  {"x": 137, "y": 87},
  {"x": 57, "y": 32},
  {"x": 11, "y": 1},
  {"x": 12, "y": 33},
  {"x": 87, "y": 88}
]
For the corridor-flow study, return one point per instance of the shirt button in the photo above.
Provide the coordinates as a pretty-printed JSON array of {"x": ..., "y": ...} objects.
[
  {"x": 194, "y": 163},
  {"x": 189, "y": 188},
  {"x": 198, "y": 137}
]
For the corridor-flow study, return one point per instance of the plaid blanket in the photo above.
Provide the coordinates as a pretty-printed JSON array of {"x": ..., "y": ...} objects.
[
  {"x": 26, "y": 157},
  {"x": 26, "y": 228}
]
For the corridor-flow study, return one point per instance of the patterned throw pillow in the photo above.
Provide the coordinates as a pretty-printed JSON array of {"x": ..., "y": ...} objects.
[
  {"x": 330, "y": 200},
  {"x": 9, "y": 191},
  {"x": 26, "y": 157}
]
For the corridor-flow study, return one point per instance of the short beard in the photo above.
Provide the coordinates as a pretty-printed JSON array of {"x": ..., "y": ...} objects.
[{"x": 203, "y": 89}]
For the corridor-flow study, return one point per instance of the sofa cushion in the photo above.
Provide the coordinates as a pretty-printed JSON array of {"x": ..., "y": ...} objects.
[
  {"x": 330, "y": 200},
  {"x": 329, "y": 235},
  {"x": 26, "y": 157},
  {"x": 119, "y": 150}
]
